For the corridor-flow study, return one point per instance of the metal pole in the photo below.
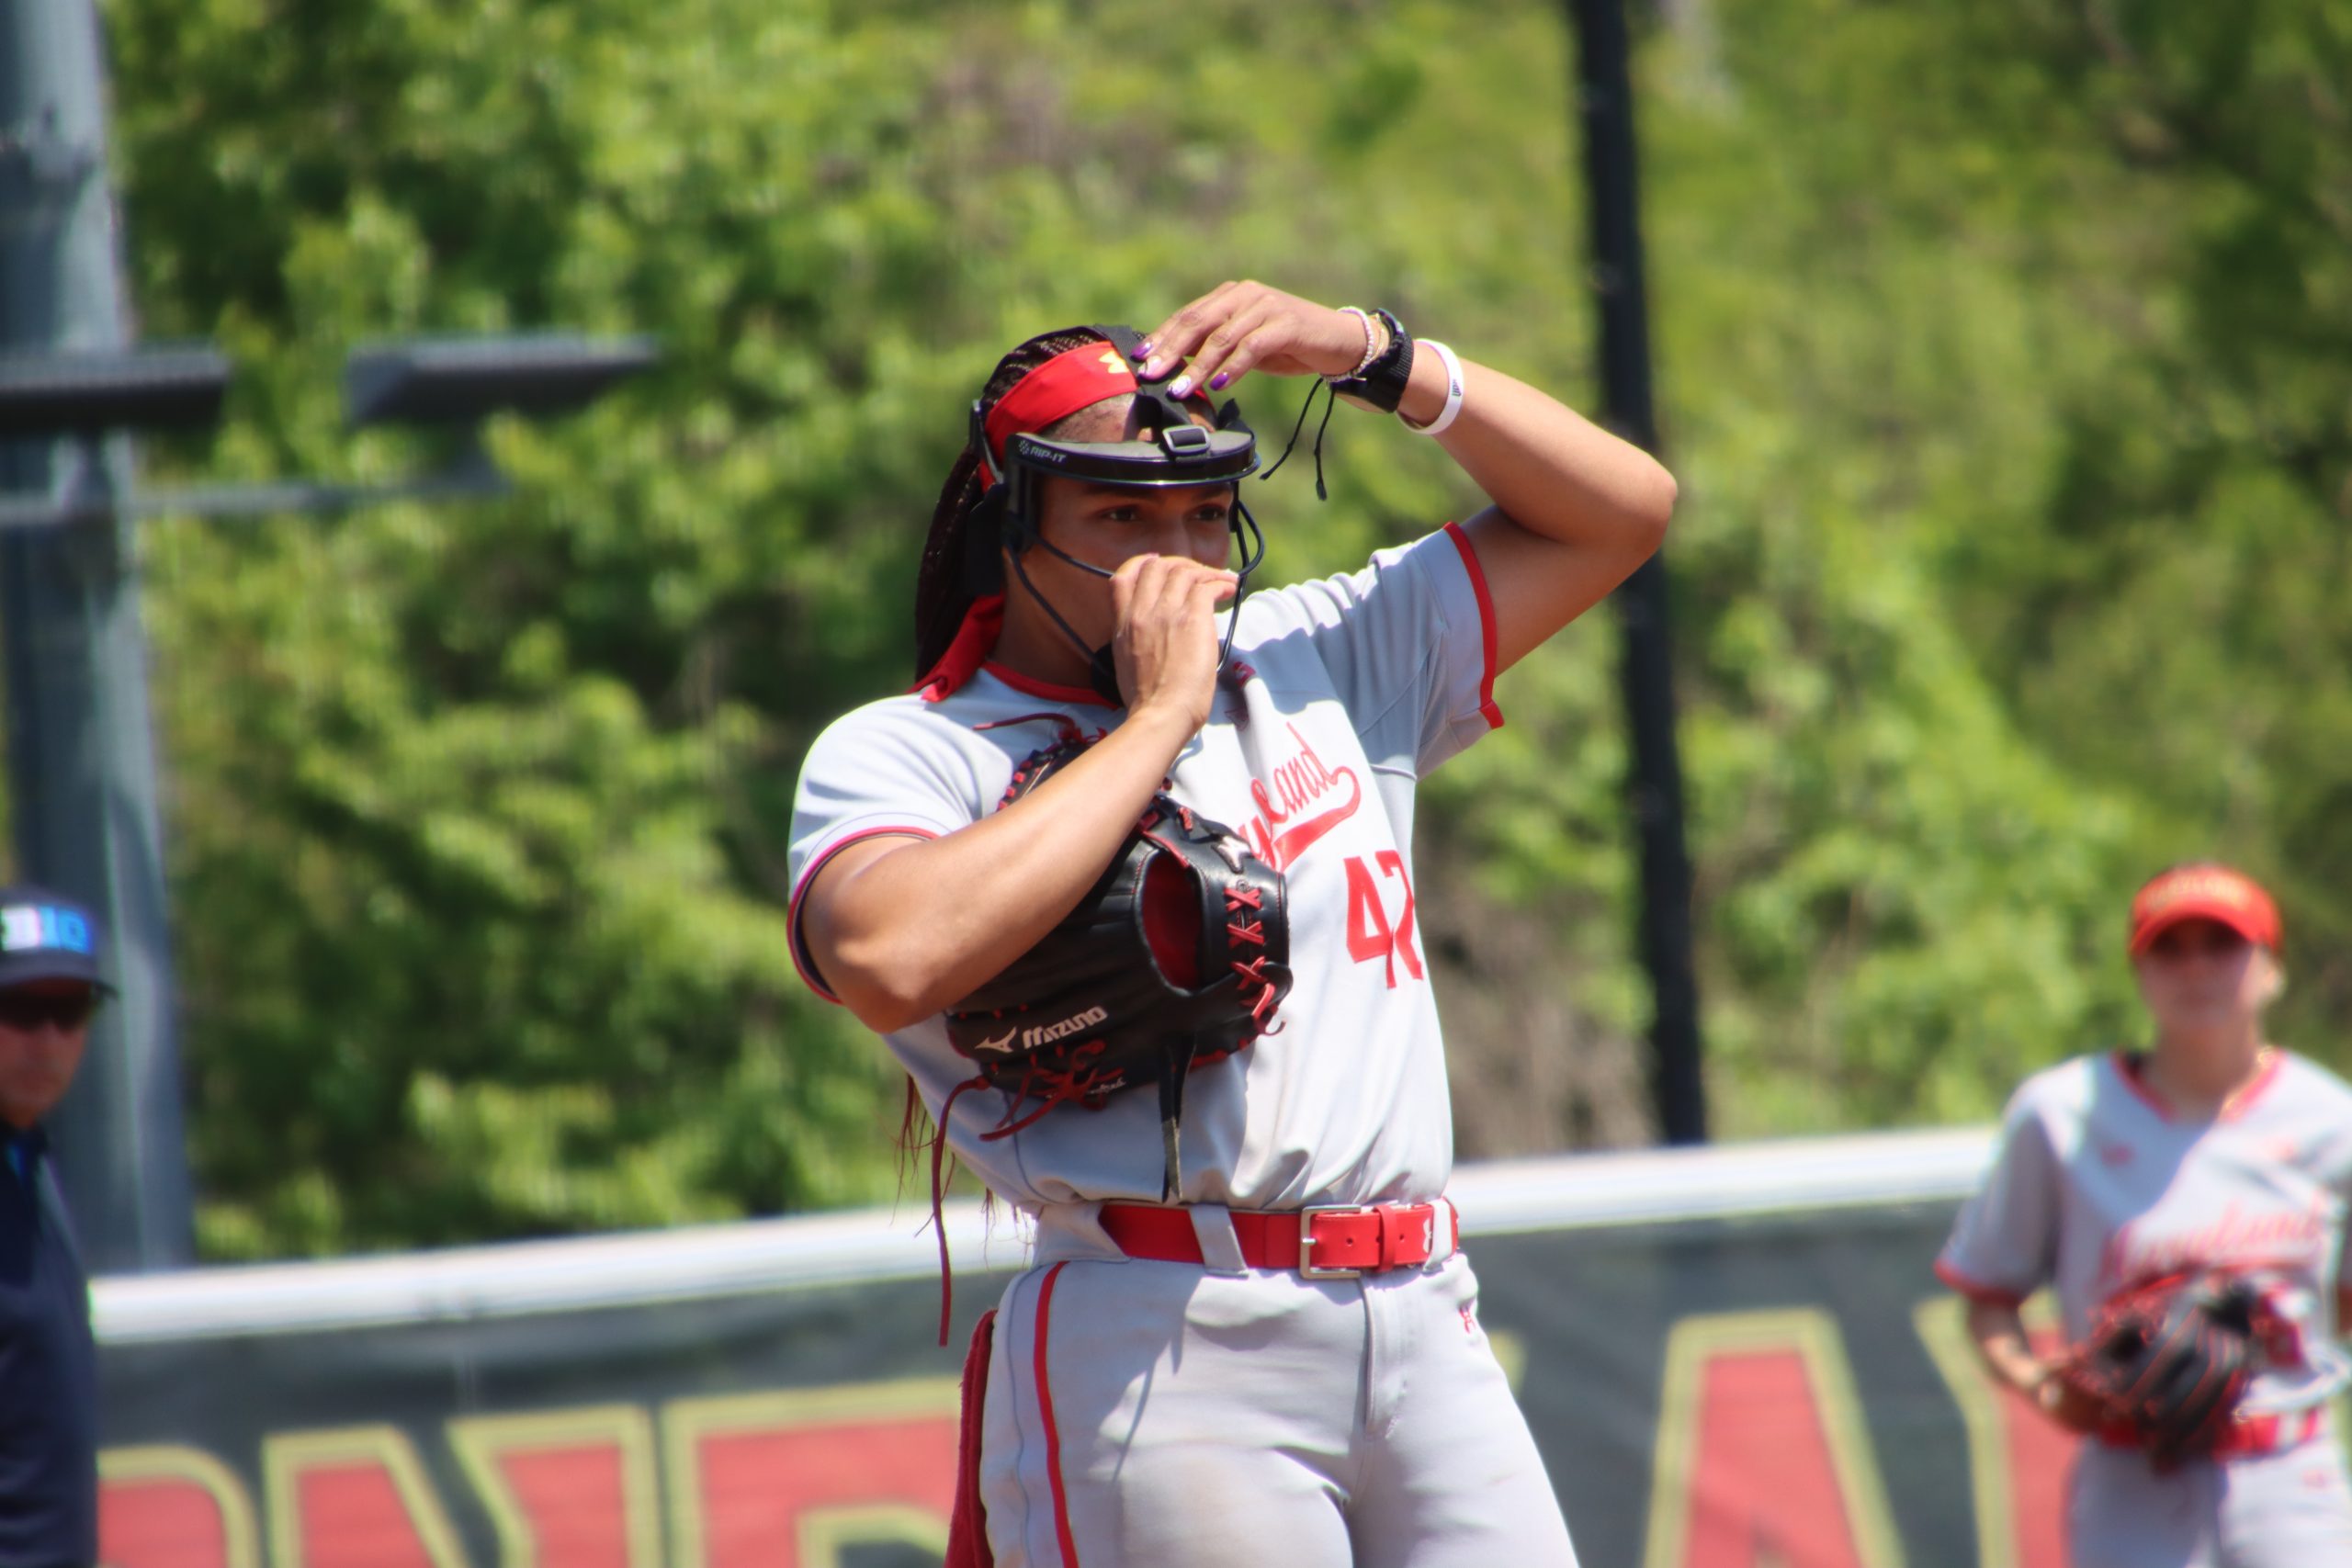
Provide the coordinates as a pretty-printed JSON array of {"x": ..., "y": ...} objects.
[
  {"x": 80, "y": 760},
  {"x": 1647, "y": 677}
]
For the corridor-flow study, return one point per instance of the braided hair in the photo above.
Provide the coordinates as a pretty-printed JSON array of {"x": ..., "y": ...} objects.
[{"x": 958, "y": 561}]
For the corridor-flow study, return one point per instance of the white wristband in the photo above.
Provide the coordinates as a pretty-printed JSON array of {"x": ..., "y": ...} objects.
[{"x": 1452, "y": 391}]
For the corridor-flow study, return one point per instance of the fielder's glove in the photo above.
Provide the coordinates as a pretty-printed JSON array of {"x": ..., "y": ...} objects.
[
  {"x": 2168, "y": 1362},
  {"x": 1178, "y": 956}
]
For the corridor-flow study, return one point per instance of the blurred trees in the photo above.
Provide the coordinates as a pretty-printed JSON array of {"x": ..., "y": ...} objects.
[
  {"x": 2014, "y": 398},
  {"x": 2003, "y": 359}
]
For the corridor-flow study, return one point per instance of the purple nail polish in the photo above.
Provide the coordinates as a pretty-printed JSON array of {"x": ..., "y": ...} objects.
[
  {"x": 1143, "y": 349},
  {"x": 1217, "y": 381}
]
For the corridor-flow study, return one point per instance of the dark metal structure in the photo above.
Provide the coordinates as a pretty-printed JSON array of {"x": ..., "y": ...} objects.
[
  {"x": 1613, "y": 195},
  {"x": 80, "y": 761}
]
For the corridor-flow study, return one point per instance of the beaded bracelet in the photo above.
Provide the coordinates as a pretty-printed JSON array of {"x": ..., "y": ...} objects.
[
  {"x": 1383, "y": 381},
  {"x": 1371, "y": 342}
]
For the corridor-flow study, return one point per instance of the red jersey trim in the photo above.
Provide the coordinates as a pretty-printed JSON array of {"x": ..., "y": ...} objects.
[
  {"x": 1085, "y": 696},
  {"x": 2238, "y": 1104},
  {"x": 2127, "y": 1067},
  {"x": 803, "y": 965},
  {"x": 2128, "y": 1070},
  {"x": 1487, "y": 708},
  {"x": 1977, "y": 1290},
  {"x": 1046, "y": 1413}
]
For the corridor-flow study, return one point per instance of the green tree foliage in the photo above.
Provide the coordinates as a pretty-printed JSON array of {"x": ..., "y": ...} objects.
[
  {"x": 2010, "y": 379},
  {"x": 1995, "y": 360}
]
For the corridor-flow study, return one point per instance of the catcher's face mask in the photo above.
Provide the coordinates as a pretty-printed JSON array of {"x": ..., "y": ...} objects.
[{"x": 1016, "y": 461}]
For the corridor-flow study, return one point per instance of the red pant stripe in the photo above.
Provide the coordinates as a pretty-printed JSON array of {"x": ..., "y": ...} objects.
[{"x": 1046, "y": 1410}]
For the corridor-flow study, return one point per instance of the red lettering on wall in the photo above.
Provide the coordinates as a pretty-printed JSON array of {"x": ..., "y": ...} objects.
[
  {"x": 163, "y": 1521},
  {"x": 1762, "y": 1489},
  {"x": 572, "y": 1499},
  {"x": 352, "y": 1517},
  {"x": 2018, "y": 1459},
  {"x": 756, "y": 1486},
  {"x": 566, "y": 1488},
  {"x": 2040, "y": 1454},
  {"x": 781, "y": 1480},
  {"x": 1763, "y": 1458},
  {"x": 168, "y": 1505},
  {"x": 356, "y": 1497}
]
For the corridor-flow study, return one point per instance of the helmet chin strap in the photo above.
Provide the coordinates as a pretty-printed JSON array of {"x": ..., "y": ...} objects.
[{"x": 1102, "y": 669}]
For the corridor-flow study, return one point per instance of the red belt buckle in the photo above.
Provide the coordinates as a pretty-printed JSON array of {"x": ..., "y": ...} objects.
[{"x": 1307, "y": 1268}]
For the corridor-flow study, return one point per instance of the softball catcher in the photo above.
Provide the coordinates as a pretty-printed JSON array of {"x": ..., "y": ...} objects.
[{"x": 1126, "y": 884}]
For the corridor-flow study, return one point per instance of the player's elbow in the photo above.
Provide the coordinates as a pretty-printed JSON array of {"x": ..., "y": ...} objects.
[
  {"x": 884, "y": 1015},
  {"x": 1623, "y": 523},
  {"x": 1650, "y": 507},
  {"x": 885, "y": 984}
]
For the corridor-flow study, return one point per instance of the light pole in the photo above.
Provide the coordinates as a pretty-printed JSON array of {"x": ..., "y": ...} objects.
[
  {"x": 447, "y": 381},
  {"x": 1654, "y": 792},
  {"x": 81, "y": 763},
  {"x": 80, "y": 760},
  {"x": 80, "y": 751}
]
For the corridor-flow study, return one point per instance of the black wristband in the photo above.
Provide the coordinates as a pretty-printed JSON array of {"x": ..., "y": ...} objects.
[{"x": 1383, "y": 382}]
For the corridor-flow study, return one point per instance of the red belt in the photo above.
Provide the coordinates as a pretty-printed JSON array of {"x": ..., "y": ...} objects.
[
  {"x": 1320, "y": 1244},
  {"x": 2243, "y": 1438}
]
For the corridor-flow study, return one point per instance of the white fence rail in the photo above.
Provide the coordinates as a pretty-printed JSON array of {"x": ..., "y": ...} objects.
[{"x": 646, "y": 1267}]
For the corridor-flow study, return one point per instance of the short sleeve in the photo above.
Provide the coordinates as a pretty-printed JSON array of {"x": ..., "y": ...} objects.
[
  {"x": 2004, "y": 1246},
  {"x": 887, "y": 769},
  {"x": 1408, "y": 642}
]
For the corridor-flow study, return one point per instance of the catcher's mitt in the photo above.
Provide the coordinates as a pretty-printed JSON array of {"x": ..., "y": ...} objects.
[
  {"x": 1178, "y": 956},
  {"x": 2166, "y": 1363}
]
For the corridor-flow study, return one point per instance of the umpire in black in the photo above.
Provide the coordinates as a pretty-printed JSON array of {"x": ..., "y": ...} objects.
[{"x": 49, "y": 986}]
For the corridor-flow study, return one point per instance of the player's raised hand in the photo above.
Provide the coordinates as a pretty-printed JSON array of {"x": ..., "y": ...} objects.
[
  {"x": 1164, "y": 639},
  {"x": 1236, "y": 328}
]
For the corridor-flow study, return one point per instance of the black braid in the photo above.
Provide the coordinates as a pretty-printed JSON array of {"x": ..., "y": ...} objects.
[{"x": 942, "y": 585}]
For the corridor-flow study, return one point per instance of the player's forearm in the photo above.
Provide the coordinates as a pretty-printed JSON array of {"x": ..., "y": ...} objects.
[
  {"x": 1549, "y": 469},
  {"x": 2003, "y": 1345},
  {"x": 906, "y": 934},
  {"x": 2007, "y": 1354}
]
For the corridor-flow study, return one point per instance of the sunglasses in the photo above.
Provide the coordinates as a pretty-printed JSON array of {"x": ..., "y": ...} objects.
[{"x": 27, "y": 1011}]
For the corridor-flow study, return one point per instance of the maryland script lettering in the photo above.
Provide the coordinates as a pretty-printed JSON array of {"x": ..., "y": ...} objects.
[{"x": 1305, "y": 800}]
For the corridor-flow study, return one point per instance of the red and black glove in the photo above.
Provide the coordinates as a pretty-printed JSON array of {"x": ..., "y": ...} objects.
[
  {"x": 1178, "y": 956},
  {"x": 2166, "y": 1363}
]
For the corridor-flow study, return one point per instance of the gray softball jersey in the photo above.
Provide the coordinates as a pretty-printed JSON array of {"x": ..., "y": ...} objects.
[
  {"x": 1344, "y": 692},
  {"x": 2097, "y": 1186}
]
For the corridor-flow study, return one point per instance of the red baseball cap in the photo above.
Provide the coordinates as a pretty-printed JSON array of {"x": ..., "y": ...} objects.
[{"x": 2204, "y": 891}]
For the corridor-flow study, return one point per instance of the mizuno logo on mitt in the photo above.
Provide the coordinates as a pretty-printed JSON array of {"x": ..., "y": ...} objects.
[{"x": 1044, "y": 1033}]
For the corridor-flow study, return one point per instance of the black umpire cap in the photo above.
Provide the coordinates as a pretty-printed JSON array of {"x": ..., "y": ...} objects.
[{"x": 45, "y": 937}]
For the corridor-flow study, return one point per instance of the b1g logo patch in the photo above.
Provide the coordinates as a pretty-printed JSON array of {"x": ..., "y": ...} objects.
[{"x": 26, "y": 927}]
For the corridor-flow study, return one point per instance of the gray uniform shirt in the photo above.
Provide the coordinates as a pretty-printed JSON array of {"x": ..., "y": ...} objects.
[
  {"x": 1346, "y": 691},
  {"x": 2097, "y": 1188}
]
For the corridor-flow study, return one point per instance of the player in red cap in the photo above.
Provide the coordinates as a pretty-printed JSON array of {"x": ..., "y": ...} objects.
[{"x": 2211, "y": 1156}]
